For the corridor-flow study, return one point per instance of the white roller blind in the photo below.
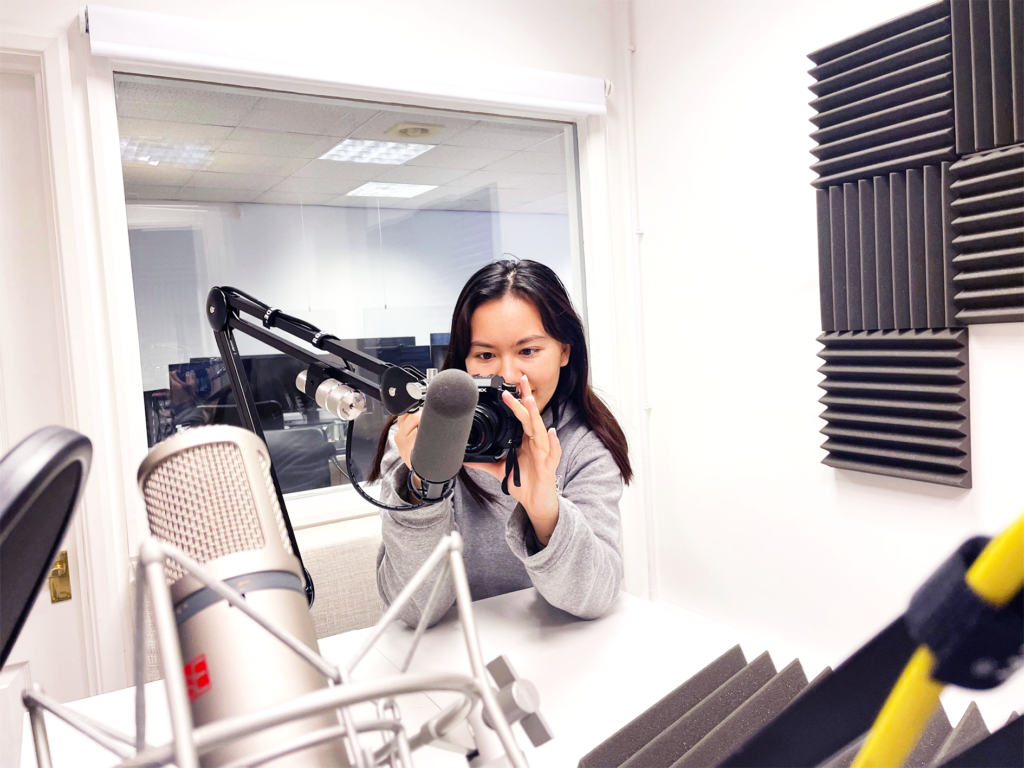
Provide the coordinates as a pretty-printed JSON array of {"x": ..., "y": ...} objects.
[{"x": 191, "y": 44}]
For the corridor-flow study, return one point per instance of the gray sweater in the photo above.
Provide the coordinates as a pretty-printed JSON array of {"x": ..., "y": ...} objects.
[{"x": 578, "y": 571}]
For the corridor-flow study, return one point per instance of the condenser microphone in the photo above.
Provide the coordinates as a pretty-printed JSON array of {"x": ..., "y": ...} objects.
[
  {"x": 440, "y": 447},
  {"x": 209, "y": 492}
]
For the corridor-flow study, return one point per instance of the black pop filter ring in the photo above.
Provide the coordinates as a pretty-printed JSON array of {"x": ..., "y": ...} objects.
[{"x": 41, "y": 482}]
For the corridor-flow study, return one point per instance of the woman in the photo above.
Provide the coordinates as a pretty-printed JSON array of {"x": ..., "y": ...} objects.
[{"x": 558, "y": 530}]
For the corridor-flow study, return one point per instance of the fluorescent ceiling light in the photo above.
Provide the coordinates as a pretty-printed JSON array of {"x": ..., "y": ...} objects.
[
  {"x": 380, "y": 189},
  {"x": 165, "y": 153},
  {"x": 382, "y": 152}
]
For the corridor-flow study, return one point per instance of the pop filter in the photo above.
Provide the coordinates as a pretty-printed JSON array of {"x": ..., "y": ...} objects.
[{"x": 41, "y": 480}]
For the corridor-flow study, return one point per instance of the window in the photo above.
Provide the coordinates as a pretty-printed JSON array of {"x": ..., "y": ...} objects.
[{"x": 364, "y": 219}]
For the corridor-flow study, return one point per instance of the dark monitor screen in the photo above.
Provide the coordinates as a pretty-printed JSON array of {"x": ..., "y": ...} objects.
[{"x": 205, "y": 381}]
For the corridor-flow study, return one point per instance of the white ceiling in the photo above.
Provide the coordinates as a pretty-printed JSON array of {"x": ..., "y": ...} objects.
[{"x": 264, "y": 149}]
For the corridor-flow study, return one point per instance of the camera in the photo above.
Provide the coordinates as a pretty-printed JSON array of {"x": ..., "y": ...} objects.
[{"x": 496, "y": 430}]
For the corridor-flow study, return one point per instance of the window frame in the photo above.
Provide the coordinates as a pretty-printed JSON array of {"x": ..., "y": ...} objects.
[{"x": 587, "y": 188}]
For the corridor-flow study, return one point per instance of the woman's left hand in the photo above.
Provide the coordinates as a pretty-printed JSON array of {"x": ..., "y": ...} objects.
[{"x": 538, "y": 456}]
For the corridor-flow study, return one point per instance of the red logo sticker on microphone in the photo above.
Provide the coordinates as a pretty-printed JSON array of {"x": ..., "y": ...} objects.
[{"x": 197, "y": 677}]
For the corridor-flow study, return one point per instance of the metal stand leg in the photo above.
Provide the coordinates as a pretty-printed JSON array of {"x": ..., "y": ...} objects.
[
  {"x": 42, "y": 744},
  {"x": 170, "y": 656}
]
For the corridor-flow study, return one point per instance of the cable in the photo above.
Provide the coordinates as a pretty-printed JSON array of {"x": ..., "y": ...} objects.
[{"x": 355, "y": 482}]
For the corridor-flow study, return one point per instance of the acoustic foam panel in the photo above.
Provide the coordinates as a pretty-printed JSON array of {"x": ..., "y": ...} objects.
[
  {"x": 755, "y": 713},
  {"x": 1004, "y": 748},
  {"x": 640, "y": 731},
  {"x": 969, "y": 731},
  {"x": 689, "y": 729},
  {"x": 726, "y": 716},
  {"x": 844, "y": 758},
  {"x": 897, "y": 403},
  {"x": 885, "y": 252},
  {"x": 988, "y": 73},
  {"x": 885, "y": 98},
  {"x": 935, "y": 734},
  {"x": 988, "y": 223}
]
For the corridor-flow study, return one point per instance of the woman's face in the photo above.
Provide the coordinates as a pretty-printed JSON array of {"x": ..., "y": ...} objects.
[{"x": 508, "y": 340}]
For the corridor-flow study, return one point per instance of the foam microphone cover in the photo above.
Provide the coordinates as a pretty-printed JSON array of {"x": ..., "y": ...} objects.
[{"x": 444, "y": 426}]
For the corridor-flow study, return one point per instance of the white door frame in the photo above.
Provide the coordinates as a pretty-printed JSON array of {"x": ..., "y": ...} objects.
[
  {"x": 98, "y": 526},
  {"x": 98, "y": 296}
]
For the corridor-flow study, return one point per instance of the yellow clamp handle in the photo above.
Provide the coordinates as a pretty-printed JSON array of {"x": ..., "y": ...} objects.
[{"x": 995, "y": 576}]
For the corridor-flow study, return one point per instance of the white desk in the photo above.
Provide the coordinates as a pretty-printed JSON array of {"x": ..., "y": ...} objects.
[{"x": 592, "y": 676}]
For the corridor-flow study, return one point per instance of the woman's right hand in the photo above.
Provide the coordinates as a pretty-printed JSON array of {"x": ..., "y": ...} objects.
[{"x": 405, "y": 437}]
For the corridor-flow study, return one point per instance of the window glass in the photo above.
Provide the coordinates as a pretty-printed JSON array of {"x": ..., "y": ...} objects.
[{"x": 363, "y": 219}]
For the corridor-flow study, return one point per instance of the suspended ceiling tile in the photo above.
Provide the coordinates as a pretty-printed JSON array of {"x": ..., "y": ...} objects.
[
  {"x": 181, "y": 104},
  {"x": 466, "y": 158},
  {"x": 149, "y": 192},
  {"x": 527, "y": 162},
  {"x": 214, "y": 195},
  {"x": 375, "y": 128},
  {"x": 244, "y": 181},
  {"x": 263, "y": 165},
  {"x": 317, "y": 186},
  {"x": 162, "y": 130},
  {"x": 339, "y": 169},
  {"x": 166, "y": 176},
  {"x": 343, "y": 201},
  {"x": 295, "y": 116},
  {"x": 554, "y": 146},
  {"x": 443, "y": 194},
  {"x": 510, "y": 180},
  {"x": 277, "y": 144},
  {"x": 554, "y": 204},
  {"x": 414, "y": 174},
  {"x": 295, "y": 198},
  {"x": 509, "y": 199},
  {"x": 504, "y": 136}
]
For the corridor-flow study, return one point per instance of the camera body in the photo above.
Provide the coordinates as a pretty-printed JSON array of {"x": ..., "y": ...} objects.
[{"x": 496, "y": 430}]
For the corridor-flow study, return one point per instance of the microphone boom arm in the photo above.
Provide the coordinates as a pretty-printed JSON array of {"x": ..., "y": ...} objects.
[{"x": 224, "y": 309}]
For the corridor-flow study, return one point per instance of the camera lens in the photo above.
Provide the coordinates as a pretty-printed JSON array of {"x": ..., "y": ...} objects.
[{"x": 483, "y": 431}]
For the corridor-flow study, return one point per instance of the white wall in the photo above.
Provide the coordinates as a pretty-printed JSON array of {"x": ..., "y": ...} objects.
[
  {"x": 753, "y": 530},
  {"x": 349, "y": 271}
]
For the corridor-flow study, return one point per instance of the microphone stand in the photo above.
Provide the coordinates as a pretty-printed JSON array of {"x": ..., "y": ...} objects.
[{"x": 224, "y": 309}]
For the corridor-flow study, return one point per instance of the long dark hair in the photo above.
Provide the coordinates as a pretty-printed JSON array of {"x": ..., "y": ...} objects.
[{"x": 539, "y": 285}]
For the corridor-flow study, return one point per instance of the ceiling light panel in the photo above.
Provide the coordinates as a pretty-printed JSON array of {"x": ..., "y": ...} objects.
[
  {"x": 380, "y": 189},
  {"x": 148, "y": 152},
  {"x": 380, "y": 152}
]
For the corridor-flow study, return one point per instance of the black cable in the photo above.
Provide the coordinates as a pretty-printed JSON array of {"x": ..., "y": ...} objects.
[
  {"x": 290, "y": 318},
  {"x": 355, "y": 483}
]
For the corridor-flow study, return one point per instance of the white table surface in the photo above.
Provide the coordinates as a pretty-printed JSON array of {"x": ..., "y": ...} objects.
[{"x": 592, "y": 676}]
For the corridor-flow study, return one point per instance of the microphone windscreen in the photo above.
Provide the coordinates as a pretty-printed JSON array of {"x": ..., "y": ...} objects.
[{"x": 444, "y": 426}]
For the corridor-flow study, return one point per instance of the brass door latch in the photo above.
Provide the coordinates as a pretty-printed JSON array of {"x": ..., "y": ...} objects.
[{"x": 60, "y": 579}]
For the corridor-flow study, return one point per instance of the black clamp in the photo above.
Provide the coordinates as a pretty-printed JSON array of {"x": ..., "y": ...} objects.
[
  {"x": 975, "y": 644},
  {"x": 268, "y": 317},
  {"x": 316, "y": 374},
  {"x": 429, "y": 491}
]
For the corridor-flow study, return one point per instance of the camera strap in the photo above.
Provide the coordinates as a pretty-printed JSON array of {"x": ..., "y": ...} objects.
[{"x": 511, "y": 469}]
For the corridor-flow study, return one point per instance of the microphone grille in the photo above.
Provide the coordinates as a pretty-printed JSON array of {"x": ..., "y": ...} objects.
[
  {"x": 268, "y": 481},
  {"x": 200, "y": 499}
]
